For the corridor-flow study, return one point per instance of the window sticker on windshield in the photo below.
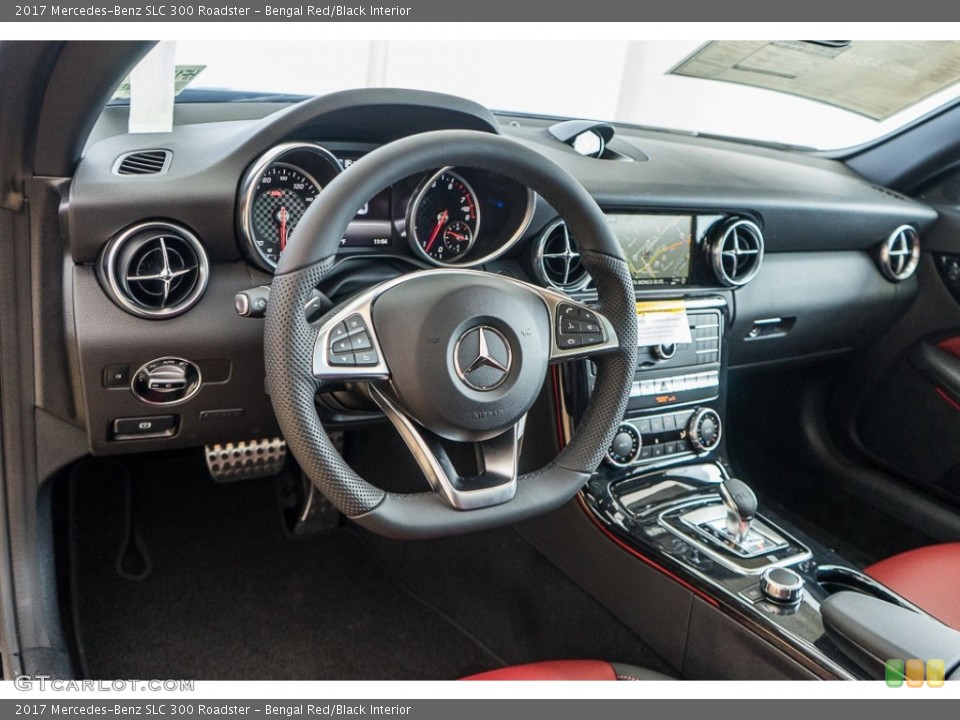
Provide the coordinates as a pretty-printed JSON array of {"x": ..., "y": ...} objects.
[
  {"x": 183, "y": 75},
  {"x": 872, "y": 78},
  {"x": 662, "y": 323}
]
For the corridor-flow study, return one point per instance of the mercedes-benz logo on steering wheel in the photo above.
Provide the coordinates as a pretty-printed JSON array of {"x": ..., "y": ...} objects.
[{"x": 482, "y": 358}]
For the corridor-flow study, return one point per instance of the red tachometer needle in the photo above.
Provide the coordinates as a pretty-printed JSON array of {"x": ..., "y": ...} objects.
[
  {"x": 283, "y": 228},
  {"x": 441, "y": 221}
]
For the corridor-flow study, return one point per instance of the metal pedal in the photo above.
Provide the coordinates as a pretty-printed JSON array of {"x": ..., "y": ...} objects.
[
  {"x": 246, "y": 459},
  {"x": 306, "y": 511},
  {"x": 316, "y": 514}
]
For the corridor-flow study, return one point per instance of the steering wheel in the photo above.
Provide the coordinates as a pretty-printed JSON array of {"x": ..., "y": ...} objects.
[{"x": 449, "y": 353}]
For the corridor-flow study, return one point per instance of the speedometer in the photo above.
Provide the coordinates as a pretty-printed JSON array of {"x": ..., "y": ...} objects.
[
  {"x": 275, "y": 193},
  {"x": 444, "y": 218},
  {"x": 279, "y": 201}
]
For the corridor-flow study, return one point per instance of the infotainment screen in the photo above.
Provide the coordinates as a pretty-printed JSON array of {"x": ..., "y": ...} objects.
[{"x": 657, "y": 247}]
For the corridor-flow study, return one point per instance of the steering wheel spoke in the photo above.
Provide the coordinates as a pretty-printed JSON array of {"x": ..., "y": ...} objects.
[{"x": 497, "y": 459}]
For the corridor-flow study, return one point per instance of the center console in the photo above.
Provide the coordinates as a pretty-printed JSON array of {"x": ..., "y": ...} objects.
[{"x": 666, "y": 492}]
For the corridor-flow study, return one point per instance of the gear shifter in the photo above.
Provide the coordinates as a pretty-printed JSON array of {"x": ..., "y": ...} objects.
[{"x": 741, "y": 506}]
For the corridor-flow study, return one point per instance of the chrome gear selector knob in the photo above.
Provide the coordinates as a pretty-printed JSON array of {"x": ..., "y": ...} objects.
[{"x": 741, "y": 506}]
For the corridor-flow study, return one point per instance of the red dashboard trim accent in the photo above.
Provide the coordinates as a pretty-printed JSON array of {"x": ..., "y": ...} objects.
[
  {"x": 950, "y": 345},
  {"x": 555, "y": 377},
  {"x": 946, "y": 396},
  {"x": 637, "y": 554}
]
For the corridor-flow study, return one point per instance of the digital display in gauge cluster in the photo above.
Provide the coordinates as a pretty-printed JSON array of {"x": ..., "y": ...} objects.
[{"x": 372, "y": 227}]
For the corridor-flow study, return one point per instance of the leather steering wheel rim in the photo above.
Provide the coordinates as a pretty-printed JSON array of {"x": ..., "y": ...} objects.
[{"x": 289, "y": 340}]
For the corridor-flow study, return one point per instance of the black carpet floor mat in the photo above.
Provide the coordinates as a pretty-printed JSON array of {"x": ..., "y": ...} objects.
[
  {"x": 227, "y": 594},
  {"x": 174, "y": 576}
]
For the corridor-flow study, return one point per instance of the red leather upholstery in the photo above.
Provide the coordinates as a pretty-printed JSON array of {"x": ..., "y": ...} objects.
[
  {"x": 555, "y": 670},
  {"x": 929, "y": 577}
]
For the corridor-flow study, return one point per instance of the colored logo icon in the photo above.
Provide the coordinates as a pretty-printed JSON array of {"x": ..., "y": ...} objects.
[
  {"x": 936, "y": 673},
  {"x": 893, "y": 673},
  {"x": 914, "y": 672}
]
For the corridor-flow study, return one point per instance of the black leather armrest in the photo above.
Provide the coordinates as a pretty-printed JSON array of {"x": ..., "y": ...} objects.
[{"x": 872, "y": 631}]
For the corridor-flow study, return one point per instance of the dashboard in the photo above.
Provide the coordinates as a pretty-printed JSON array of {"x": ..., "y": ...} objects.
[{"x": 163, "y": 232}]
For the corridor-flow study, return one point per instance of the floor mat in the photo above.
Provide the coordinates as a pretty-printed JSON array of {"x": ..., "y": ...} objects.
[
  {"x": 173, "y": 575},
  {"x": 224, "y": 593},
  {"x": 513, "y": 599}
]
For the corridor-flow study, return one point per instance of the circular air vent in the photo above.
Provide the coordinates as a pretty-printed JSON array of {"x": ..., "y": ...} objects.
[
  {"x": 154, "y": 270},
  {"x": 900, "y": 254},
  {"x": 557, "y": 260},
  {"x": 736, "y": 252}
]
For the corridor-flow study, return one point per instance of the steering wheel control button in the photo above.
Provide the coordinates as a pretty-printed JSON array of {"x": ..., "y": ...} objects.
[
  {"x": 338, "y": 333},
  {"x": 568, "y": 326},
  {"x": 355, "y": 324},
  {"x": 350, "y": 345},
  {"x": 166, "y": 381},
  {"x": 144, "y": 427},
  {"x": 367, "y": 358},
  {"x": 360, "y": 341},
  {"x": 341, "y": 346},
  {"x": 782, "y": 585},
  {"x": 577, "y": 328},
  {"x": 483, "y": 358},
  {"x": 341, "y": 359}
]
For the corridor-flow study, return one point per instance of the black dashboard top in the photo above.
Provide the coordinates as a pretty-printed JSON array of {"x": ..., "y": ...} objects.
[{"x": 802, "y": 202}]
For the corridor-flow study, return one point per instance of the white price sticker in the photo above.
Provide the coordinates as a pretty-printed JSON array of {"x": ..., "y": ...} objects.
[{"x": 662, "y": 323}]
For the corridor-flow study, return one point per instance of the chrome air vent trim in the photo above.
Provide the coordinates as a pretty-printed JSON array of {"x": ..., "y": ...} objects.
[
  {"x": 154, "y": 270},
  {"x": 556, "y": 260}
]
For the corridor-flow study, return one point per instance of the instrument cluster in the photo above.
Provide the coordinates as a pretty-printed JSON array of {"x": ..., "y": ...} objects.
[{"x": 450, "y": 217}]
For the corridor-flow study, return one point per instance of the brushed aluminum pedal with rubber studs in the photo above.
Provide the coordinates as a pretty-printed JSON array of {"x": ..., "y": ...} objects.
[{"x": 246, "y": 459}]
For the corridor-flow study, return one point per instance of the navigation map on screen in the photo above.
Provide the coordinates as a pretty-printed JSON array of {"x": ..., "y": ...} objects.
[{"x": 657, "y": 247}]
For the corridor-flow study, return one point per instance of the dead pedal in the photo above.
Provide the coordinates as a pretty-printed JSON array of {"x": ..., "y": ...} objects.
[{"x": 246, "y": 459}]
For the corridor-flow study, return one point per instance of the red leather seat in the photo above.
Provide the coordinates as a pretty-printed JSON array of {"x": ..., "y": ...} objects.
[
  {"x": 570, "y": 670},
  {"x": 929, "y": 577}
]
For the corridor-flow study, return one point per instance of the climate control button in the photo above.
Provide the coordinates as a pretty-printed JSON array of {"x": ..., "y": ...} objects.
[
  {"x": 625, "y": 448},
  {"x": 704, "y": 430}
]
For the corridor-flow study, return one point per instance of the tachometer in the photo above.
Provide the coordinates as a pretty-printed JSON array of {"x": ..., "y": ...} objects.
[{"x": 444, "y": 218}]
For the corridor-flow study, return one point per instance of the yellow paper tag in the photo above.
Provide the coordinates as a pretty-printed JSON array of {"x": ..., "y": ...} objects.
[{"x": 662, "y": 323}]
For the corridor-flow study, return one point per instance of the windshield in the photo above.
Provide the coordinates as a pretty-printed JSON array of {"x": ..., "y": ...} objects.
[{"x": 823, "y": 95}]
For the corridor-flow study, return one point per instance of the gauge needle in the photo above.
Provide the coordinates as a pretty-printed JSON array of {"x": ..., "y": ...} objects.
[
  {"x": 283, "y": 228},
  {"x": 441, "y": 221}
]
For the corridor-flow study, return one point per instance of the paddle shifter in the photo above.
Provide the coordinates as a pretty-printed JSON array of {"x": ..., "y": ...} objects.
[{"x": 741, "y": 506}]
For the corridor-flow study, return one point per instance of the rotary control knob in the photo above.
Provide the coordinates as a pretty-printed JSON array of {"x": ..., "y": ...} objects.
[
  {"x": 166, "y": 381},
  {"x": 665, "y": 351},
  {"x": 781, "y": 585},
  {"x": 704, "y": 430},
  {"x": 625, "y": 447}
]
